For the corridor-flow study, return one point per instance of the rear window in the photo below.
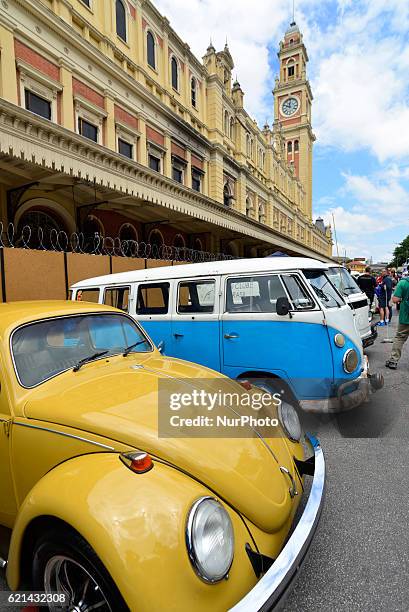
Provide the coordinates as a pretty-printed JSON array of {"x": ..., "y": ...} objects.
[
  {"x": 196, "y": 296},
  {"x": 117, "y": 297},
  {"x": 153, "y": 299},
  {"x": 88, "y": 295}
]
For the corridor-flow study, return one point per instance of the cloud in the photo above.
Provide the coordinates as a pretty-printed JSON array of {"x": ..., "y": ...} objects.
[
  {"x": 251, "y": 32},
  {"x": 373, "y": 214},
  {"x": 359, "y": 63}
]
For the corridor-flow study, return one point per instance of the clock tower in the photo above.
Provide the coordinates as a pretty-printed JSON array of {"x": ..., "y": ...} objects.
[{"x": 292, "y": 109}]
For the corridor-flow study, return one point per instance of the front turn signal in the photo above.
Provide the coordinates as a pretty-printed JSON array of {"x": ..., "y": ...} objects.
[{"x": 137, "y": 461}]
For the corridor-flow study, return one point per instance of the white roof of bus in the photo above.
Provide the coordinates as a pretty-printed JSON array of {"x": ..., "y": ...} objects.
[{"x": 210, "y": 268}]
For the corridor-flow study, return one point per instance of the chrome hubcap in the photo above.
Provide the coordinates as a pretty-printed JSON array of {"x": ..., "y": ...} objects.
[{"x": 83, "y": 593}]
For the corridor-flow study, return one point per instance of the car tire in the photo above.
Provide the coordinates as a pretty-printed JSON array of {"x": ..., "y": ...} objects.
[{"x": 64, "y": 553}]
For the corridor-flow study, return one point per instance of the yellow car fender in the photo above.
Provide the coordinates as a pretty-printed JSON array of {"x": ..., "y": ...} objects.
[{"x": 136, "y": 525}]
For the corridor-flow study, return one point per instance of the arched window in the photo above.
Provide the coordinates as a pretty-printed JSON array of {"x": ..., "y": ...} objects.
[
  {"x": 231, "y": 128},
  {"x": 227, "y": 197},
  {"x": 127, "y": 232},
  {"x": 261, "y": 213},
  {"x": 193, "y": 88},
  {"x": 179, "y": 241},
  {"x": 156, "y": 239},
  {"x": 198, "y": 246},
  {"x": 175, "y": 73},
  {"x": 248, "y": 145},
  {"x": 296, "y": 146},
  {"x": 120, "y": 19},
  {"x": 150, "y": 49},
  {"x": 93, "y": 232},
  {"x": 289, "y": 146},
  {"x": 44, "y": 228},
  {"x": 291, "y": 68}
]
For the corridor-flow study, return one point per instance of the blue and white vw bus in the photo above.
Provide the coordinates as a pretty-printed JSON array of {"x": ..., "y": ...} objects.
[{"x": 279, "y": 320}]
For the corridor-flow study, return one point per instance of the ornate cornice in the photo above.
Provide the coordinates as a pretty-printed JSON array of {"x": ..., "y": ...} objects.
[{"x": 26, "y": 136}]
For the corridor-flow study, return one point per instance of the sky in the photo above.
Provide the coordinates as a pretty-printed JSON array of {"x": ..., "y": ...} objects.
[{"x": 359, "y": 73}]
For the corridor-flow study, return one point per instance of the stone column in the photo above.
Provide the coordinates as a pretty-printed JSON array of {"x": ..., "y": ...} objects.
[
  {"x": 188, "y": 177},
  {"x": 110, "y": 135},
  {"x": 142, "y": 152},
  {"x": 167, "y": 162},
  {"x": 67, "y": 98},
  {"x": 8, "y": 75}
]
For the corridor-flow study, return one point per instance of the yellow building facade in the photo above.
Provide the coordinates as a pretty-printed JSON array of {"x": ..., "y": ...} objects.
[{"x": 110, "y": 125}]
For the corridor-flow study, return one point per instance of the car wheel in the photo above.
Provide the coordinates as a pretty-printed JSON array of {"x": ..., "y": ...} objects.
[{"x": 64, "y": 562}]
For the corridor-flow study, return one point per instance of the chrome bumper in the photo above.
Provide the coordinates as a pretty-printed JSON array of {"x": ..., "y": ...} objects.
[
  {"x": 270, "y": 589},
  {"x": 365, "y": 384}
]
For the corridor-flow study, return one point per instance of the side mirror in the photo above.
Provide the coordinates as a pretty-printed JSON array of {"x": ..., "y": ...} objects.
[
  {"x": 283, "y": 306},
  {"x": 161, "y": 346}
]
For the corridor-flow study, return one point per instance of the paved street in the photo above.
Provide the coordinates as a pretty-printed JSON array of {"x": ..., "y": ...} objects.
[{"x": 359, "y": 559}]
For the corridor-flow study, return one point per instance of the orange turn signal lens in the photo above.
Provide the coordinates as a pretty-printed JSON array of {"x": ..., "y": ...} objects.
[{"x": 137, "y": 461}]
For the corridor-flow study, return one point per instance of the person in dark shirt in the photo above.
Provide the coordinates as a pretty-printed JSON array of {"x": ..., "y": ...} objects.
[
  {"x": 367, "y": 283},
  {"x": 384, "y": 297}
]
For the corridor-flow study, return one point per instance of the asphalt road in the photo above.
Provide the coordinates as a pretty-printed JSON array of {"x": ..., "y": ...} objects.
[{"x": 359, "y": 559}]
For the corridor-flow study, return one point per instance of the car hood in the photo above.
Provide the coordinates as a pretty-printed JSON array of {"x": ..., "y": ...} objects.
[{"x": 118, "y": 399}]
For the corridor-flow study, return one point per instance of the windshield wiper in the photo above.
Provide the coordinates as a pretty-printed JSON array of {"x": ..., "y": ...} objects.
[
  {"x": 321, "y": 293},
  {"x": 132, "y": 346},
  {"x": 87, "y": 359}
]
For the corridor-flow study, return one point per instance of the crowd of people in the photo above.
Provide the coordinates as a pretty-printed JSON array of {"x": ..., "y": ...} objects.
[{"x": 389, "y": 289}]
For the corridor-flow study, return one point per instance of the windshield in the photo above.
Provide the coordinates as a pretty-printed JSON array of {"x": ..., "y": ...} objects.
[
  {"x": 343, "y": 281},
  {"x": 46, "y": 348},
  {"x": 323, "y": 288}
]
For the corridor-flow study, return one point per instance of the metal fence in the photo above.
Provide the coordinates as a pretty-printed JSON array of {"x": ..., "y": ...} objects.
[{"x": 41, "y": 239}]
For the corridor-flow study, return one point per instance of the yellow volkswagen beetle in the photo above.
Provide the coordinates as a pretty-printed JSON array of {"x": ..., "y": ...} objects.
[{"x": 113, "y": 516}]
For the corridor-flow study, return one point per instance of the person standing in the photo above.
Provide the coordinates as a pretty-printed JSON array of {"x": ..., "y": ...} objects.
[
  {"x": 367, "y": 283},
  {"x": 401, "y": 296},
  {"x": 384, "y": 294}
]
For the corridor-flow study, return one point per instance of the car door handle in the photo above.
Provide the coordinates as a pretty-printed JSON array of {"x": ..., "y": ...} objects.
[
  {"x": 230, "y": 336},
  {"x": 178, "y": 335}
]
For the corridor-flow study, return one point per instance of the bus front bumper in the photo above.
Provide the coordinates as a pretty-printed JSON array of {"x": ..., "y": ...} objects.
[{"x": 347, "y": 398}]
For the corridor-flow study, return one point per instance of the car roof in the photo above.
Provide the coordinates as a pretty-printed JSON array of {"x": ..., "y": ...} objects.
[
  {"x": 17, "y": 313},
  {"x": 231, "y": 266}
]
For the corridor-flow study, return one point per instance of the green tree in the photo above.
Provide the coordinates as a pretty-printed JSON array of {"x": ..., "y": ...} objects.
[{"x": 401, "y": 253}]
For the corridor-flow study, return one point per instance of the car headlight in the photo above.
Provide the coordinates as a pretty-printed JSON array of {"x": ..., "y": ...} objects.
[
  {"x": 289, "y": 420},
  {"x": 210, "y": 539},
  {"x": 350, "y": 361}
]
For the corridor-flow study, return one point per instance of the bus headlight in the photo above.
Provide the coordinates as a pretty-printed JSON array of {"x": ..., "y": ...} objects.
[
  {"x": 289, "y": 420},
  {"x": 339, "y": 340},
  {"x": 210, "y": 539},
  {"x": 350, "y": 361}
]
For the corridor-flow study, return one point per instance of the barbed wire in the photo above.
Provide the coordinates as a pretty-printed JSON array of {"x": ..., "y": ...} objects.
[{"x": 59, "y": 241}]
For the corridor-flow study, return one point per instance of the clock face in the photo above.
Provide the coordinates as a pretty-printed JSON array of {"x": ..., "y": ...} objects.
[{"x": 289, "y": 106}]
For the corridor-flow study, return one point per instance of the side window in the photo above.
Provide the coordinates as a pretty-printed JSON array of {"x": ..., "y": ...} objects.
[
  {"x": 254, "y": 293},
  {"x": 88, "y": 295},
  {"x": 196, "y": 296},
  {"x": 153, "y": 298},
  {"x": 117, "y": 297},
  {"x": 297, "y": 293}
]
